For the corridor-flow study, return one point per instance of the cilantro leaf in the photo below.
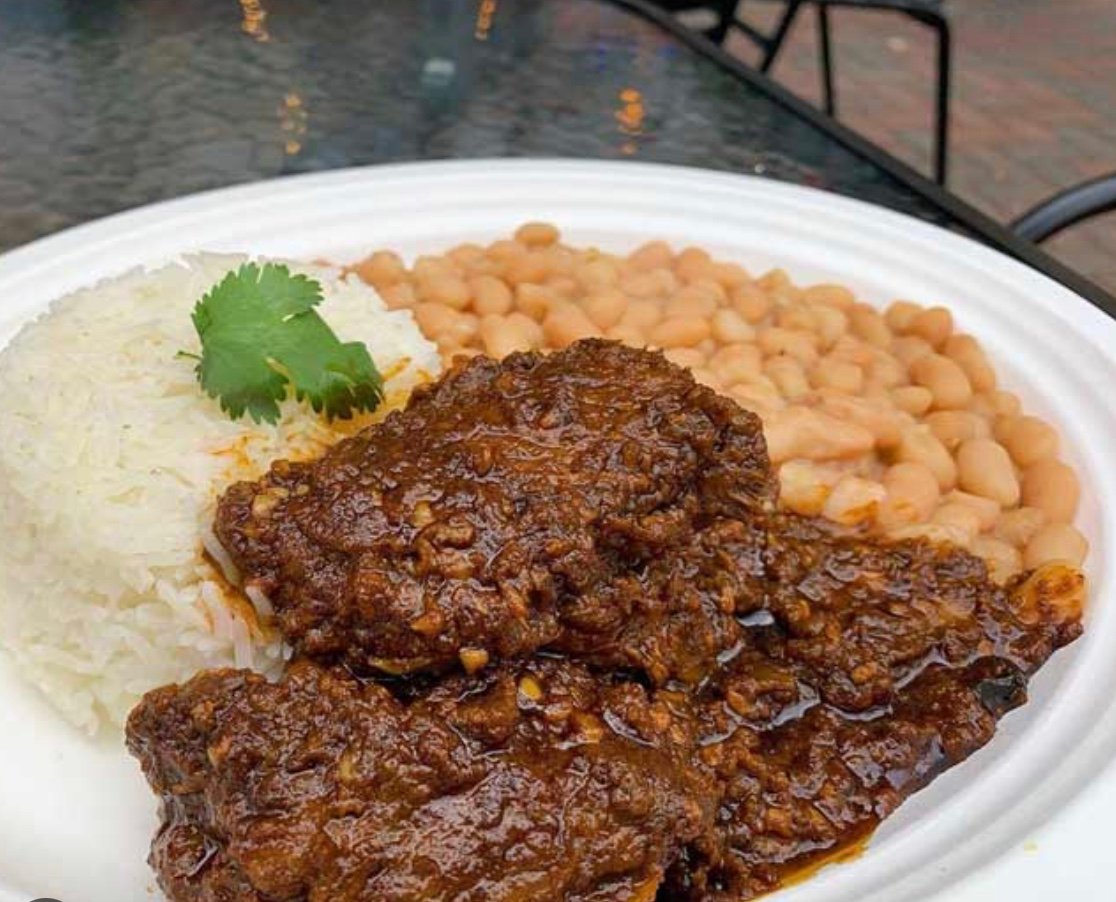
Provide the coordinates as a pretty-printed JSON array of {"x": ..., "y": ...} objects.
[{"x": 260, "y": 334}]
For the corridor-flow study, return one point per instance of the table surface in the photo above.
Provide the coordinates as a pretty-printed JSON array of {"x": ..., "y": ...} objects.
[
  {"x": 112, "y": 104},
  {"x": 109, "y": 105}
]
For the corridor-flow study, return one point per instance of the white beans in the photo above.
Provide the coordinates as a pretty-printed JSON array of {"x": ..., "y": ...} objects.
[
  {"x": 952, "y": 427},
  {"x": 729, "y": 327},
  {"x": 695, "y": 300},
  {"x": 730, "y": 275},
  {"x": 503, "y": 336},
  {"x": 760, "y": 397},
  {"x": 830, "y": 323},
  {"x": 536, "y": 234},
  {"x": 813, "y": 435},
  {"x": 707, "y": 378},
  {"x": 961, "y": 517},
  {"x": 918, "y": 444},
  {"x": 900, "y": 316},
  {"x": 839, "y": 375},
  {"x": 597, "y": 275},
  {"x": 1055, "y": 542},
  {"x": 934, "y": 325},
  {"x": 1027, "y": 439},
  {"x": 827, "y": 294},
  {"x": 788, "y": 376},
  {"x": 1052, "y": 487},
  {"x": 490, "y": 295},
  {"x": 435, "y": 319},
  {"x": 968, "y": 354},
  {"x": 627, "y": 334},
  {"x": 693, "y": 264},
  {"x": 866, "y": 323},
  {"x": 946, "y": 380},
  {"x": 914, "y": 399},
  {"x": 736, "y": 363},
  {"x": 687, "y": 358},
  {"x": 533, "y": 300},
  {"x": 641, "y": 316},
  {"x": 653, "y": 255},
  {"x": 381, "y": 269},
  {"x": 605, "y": 308},
  {"x": 877, "y": 417},
  {"x": 1004, "y": 403},
  {"x": 986, "y": 510},
  {"x": 565, "y": 324},
  {"x": 680, "y": 332},
  {"x": 800, "y": 345},
  {"x": 884, "y": 371},
  {"x": 1019, "y": 526},
  {"x": 804, "y": 487},
  {"x": 1003, "y": 559},
  {"x": 934, "y": 532},
  {"x": 1055, "y": 591},
  {"x": 446, "y": 289},
  {"x": 911, "y": 348},
  {"x": 984, "y": 468},
  {"x": 853, "y": 500},
  {"x": 887, "y": 420},
  {"x": 751, "y": 302},
  {"x": 912, "y": 494}
]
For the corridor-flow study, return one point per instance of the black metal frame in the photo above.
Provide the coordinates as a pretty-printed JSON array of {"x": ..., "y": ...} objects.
[
  {"x": 927, "y": 12},
  {"x": 1067, "y": 208},
  {"x": 990, "y": 231},
  {"x": 920, "y": 12}
]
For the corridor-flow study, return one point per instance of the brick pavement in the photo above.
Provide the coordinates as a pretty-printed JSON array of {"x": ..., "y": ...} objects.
[{"x": 1034, "y": 101}]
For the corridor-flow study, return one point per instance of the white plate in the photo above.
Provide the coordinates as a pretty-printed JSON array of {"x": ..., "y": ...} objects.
[{"x": 75, "y": 816}]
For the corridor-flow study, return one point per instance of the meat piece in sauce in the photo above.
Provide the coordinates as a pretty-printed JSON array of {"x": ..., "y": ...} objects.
[
  {"x": 538, "y": 782},
  {"x": 810, "y": 754},
  {"x": 599, "y": 504},
  {"x": 800, "y": 791},
  {"x": 861, "y": 614},
  {"x": 512, "y": 505},
  {"x": 326, "y": 787}
]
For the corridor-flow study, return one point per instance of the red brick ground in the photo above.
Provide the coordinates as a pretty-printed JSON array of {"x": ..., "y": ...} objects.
[{"x": 1034, "y": 102}]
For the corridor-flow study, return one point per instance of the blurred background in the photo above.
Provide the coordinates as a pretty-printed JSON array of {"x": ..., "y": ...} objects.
[
  {"x": 110, "y": 104},
  {"x": 1033, "y": 100}
]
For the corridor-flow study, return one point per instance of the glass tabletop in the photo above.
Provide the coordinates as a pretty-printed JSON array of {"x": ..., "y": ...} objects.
[{"x": 116, "y": 103}]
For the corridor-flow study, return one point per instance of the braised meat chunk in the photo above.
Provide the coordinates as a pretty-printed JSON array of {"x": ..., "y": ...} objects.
[
  {"x": 512, "y": 505},
  {"x": 672, "y": 690},
  {"x": 538, "y": 782},
  {"x": 872, "y": 667},
  {"x": 860, "y": 614},
  {"x": 806, "y": 788}
]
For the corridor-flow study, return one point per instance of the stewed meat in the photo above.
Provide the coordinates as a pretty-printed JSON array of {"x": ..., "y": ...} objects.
[
  {"x": 512, "y": 505},
  {"x": 604, "y": 525},
  {"x": 532, "y": 782},
  {"x": 543, "y": 779},
  {"x": 861, "y": 614},
  {"x": 803, "y": 789}
]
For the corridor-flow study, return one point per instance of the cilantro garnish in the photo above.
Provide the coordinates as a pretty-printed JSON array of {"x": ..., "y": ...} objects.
[{"x": 259, "y": 332}]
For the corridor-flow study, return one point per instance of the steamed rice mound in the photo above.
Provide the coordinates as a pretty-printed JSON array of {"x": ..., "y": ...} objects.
[{"x": 111, "y": 460}]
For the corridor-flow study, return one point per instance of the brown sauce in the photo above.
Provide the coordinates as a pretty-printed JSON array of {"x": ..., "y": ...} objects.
[{"x": 556, "y": 642}]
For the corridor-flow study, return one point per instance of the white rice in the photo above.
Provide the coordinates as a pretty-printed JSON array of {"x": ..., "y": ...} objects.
[{"x": 111, "y": 459}]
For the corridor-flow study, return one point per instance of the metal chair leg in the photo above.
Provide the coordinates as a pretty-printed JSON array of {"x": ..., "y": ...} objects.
[
  {"x": 940, "y": 24},
  {"x": 1068, "y": 208},
  {"x": 775, "y": 43},
  {"x": 941, "y": 126},
  {"x": 726, "y": 14},
  {"x": 825, "y": 60}
]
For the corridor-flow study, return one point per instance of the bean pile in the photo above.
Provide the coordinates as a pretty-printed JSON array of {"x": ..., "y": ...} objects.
[{"x": 890, "y": 420}]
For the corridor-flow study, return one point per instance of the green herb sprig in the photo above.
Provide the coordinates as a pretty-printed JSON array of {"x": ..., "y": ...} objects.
[{"x": 260, "y": 335}]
